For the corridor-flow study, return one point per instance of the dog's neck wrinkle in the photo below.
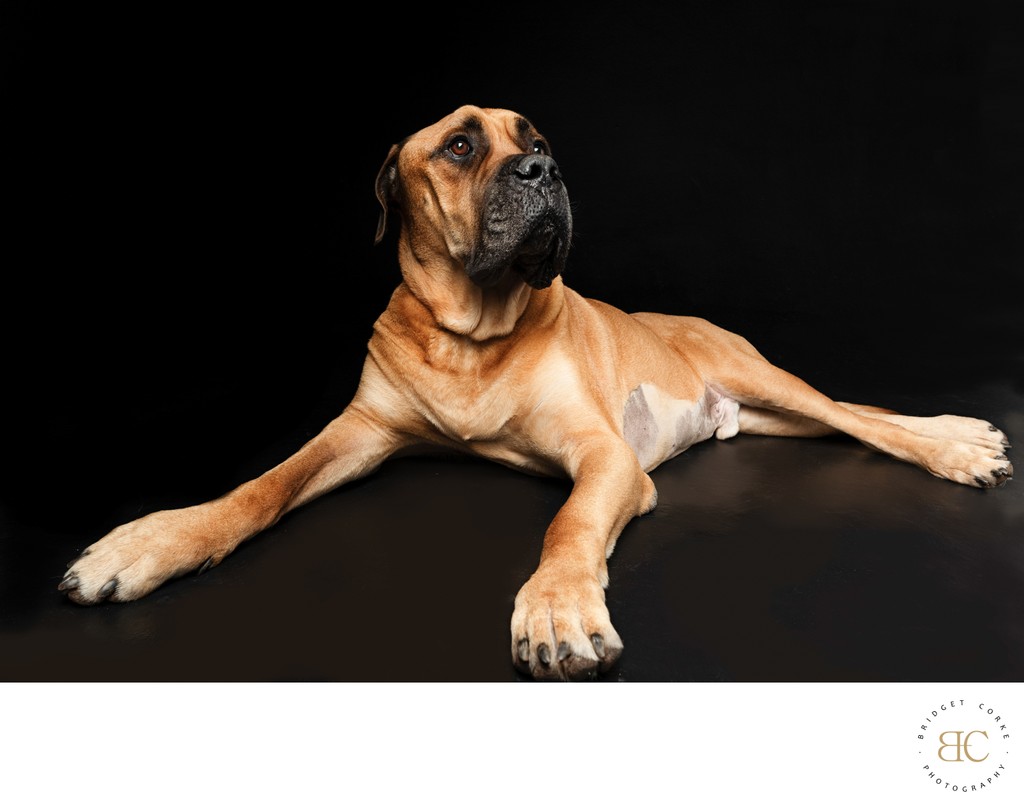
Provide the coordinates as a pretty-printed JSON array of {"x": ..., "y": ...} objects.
[
  {"x": 456, "y": 303},
  {"x": 498, "y": 311}
]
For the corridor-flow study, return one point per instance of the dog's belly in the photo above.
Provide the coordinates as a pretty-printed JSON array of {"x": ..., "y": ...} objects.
[{"x": 657, "y": 426}]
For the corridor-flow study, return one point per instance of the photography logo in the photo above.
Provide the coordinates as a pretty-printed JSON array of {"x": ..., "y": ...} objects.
[{"x": 964, "y": 746}]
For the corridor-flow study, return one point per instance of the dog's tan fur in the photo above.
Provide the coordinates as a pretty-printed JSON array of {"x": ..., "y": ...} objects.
[{"x": 538, "y": 379}]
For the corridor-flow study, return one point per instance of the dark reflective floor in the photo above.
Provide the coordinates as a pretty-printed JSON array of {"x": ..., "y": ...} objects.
[{"x": 766, "y": 560}]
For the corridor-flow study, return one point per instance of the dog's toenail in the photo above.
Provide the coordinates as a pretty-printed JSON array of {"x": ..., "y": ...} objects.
[
  {"x": 524, "y": 649},
  {"x": 598, "y": 643},
  {"x": 544, "y": 654},
  {"x": 70, "y": 582},
  {"x": 205, "y": 566},
  {"x": 108, "y": 589},
  {"x": 563, "y": 651}
]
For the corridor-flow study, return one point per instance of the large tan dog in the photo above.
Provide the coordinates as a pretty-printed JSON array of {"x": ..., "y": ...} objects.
[{"x": 483, "y": 349}]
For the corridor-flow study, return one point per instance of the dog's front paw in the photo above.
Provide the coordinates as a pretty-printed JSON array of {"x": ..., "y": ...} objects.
[
  {"x": 136, "y": 558},
  {"x": 561, "y": 629}
]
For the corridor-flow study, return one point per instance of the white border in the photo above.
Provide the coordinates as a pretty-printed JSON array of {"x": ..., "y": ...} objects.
[{"x": 481, "y": 744}]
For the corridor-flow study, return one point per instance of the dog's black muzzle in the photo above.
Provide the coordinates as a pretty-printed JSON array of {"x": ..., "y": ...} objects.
[{"x": 525, "y": 224}]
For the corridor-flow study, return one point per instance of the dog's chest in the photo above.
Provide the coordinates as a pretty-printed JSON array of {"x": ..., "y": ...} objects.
[
  {"x": 657, "y": 426},
  {"x": 470, "y": 401},
  {"x": 516, "y": 412},
  {"x": 467, "y": 411}
]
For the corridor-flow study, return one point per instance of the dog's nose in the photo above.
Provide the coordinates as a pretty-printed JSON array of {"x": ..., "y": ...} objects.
[{"x": 536, "y": 169}]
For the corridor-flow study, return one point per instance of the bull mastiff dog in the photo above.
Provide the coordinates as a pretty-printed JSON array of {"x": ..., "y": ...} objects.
[{"x": 483, "y": 349}]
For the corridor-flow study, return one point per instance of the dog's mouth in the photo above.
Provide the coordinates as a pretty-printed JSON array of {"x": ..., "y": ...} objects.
[
  {"x": 534, "y": 246},
  {"x": 540, "y": 258}
]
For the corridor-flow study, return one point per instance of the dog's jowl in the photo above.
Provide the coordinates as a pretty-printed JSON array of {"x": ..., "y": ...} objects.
[{"x": 483, "y": 349}]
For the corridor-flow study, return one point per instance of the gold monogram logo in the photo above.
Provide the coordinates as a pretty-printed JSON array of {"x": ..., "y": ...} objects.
[
  {"x": 962, "y": 745},
  {"x": 980, "y": 737}
]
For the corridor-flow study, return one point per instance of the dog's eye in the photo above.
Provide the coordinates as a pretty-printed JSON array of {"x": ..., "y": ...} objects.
[
  {"x": 460, "y": 146},
  {"x": 539, "y": 147}
]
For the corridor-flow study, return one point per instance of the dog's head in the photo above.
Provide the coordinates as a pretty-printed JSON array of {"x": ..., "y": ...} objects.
[{"x": 480, "y": 192}]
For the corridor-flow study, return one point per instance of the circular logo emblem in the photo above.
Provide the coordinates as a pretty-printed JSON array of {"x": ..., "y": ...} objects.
[{"x": 963, "y": 746}]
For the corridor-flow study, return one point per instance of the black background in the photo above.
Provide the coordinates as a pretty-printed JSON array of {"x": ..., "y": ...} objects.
[{"x": 191, "y": 280}]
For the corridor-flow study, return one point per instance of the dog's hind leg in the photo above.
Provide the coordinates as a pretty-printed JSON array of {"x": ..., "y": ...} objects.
[
  {"x": 765, "y": 422},
  {"x": 772, "y": 401},
  {"x": 775, "y": 402}
]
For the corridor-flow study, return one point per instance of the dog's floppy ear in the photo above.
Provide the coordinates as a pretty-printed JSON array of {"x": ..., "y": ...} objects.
[{"x": 387, "y": 188}]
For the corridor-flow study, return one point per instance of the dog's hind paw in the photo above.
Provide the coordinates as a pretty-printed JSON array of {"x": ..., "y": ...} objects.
[{"x": 971, "y": 464}]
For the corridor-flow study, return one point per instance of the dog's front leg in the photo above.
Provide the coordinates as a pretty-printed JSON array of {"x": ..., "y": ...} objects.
[
  {"x": 560, "y": 626},
  {"x": 137, "y": 557}
]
